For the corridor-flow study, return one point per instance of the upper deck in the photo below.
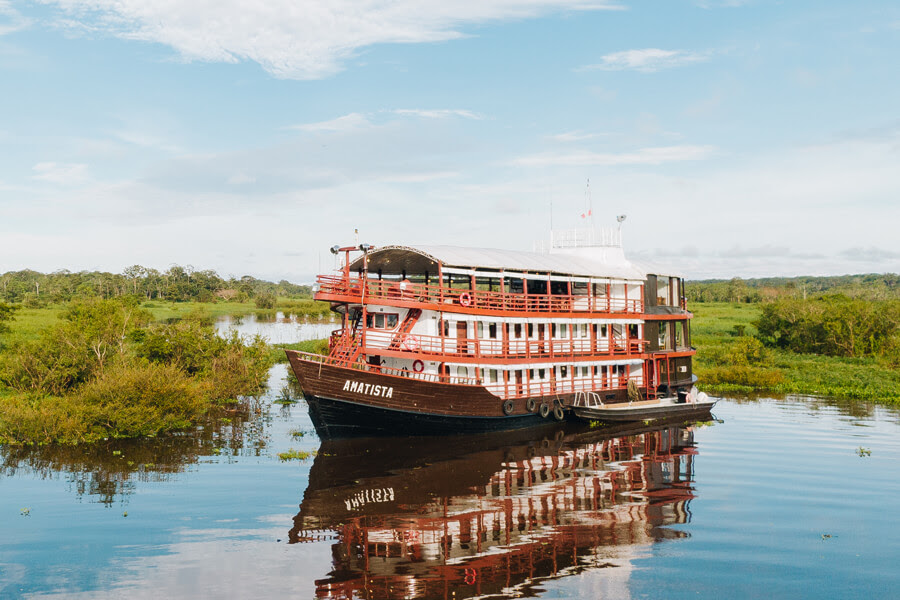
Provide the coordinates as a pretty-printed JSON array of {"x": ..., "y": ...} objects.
[{"x": 482, "y": 281}]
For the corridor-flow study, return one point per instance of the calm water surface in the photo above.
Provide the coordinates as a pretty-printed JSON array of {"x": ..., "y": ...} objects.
[{"x": 792, "y": 498}]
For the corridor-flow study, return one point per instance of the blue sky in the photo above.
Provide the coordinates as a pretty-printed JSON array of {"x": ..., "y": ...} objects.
[{"x": 741, "y": 138}]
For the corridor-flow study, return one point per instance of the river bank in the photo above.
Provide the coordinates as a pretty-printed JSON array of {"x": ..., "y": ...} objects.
[{"x": 730, "y": 359}]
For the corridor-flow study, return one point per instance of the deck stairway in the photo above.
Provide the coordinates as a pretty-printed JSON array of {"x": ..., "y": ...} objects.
[
  {"x": 403, "y": 331},
  {"x": 346, "y": 350}
]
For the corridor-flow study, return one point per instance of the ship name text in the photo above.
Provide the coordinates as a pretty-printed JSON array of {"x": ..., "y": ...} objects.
[{"x": 381, "y": 391}]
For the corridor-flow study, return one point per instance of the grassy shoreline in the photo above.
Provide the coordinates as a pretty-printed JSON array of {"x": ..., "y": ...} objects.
[{"x": 716, "y": 330}]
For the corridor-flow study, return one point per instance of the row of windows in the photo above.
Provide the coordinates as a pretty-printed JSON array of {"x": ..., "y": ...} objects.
[{"x": 491, "y": 331}]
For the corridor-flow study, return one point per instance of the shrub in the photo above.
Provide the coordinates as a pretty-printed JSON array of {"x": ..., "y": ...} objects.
[
  {"x": 741, "y": 375},
  {"x": 41, "y": 419},
  {"x": 265, "y": 300},
  {"x": 140, "y": 398},
  {"x": 69, "y": 353}
]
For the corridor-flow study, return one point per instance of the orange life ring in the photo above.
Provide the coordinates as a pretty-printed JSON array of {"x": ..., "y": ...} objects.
[
  {"x": 418, "y": 366},
  {"x": 465, "y": 299},
  {"x": 409, "y": 342}
]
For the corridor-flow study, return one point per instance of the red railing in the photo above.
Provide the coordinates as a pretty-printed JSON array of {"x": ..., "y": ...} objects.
[
  {"x": 487, "y": 348},
  {"x": 352, "y": 289}
]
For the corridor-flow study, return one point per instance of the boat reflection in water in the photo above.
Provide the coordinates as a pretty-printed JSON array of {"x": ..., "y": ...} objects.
[{"x": 494, "y": 514}]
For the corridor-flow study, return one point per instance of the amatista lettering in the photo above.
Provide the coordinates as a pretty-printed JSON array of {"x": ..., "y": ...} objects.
[
  {"x": 368, "y": 496},
  {"x": 379, "y": 391}
]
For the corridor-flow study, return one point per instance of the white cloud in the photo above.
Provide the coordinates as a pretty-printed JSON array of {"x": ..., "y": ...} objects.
[
  {"x": 646, "y": 60},
  {"x": 65, "y": 174},
  {"x": 11, "y": 20},
  {"x": 356, "y": 121},
  {"x": 298, "y": 39},
  {"x": 643, "y": 156},
  {"x": 345, "y": 123},
  {"x": 438, "y": 114},
  {"x": 575, "y": 136}
]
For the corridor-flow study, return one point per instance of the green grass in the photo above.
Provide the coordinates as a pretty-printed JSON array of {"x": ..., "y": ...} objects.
[{"x": 713, "y": 333}]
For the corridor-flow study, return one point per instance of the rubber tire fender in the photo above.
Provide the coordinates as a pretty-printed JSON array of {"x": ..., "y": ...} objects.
[
  {"x": 545, "y": 410},
  {"x": 530, "y": 404},
  {"x": 508, "y": 407},
  {"x": 558, "y": 413}
]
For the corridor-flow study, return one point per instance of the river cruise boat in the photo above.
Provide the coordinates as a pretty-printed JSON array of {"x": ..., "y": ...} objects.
[{"x": 437, "y": 339}]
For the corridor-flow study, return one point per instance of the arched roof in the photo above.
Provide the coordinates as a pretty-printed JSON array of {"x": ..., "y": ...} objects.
[{"x": 394, "y": 260}]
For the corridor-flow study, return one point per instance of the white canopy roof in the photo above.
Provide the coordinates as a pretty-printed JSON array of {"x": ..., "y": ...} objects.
[{"x": 417, "y": 259}]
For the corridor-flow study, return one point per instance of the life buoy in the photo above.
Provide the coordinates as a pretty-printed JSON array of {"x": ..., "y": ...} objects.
[
  {"x": 508, "y": 407},
  {"x": 409, "y": 342},
  {"x": 545, "y": 410},
  {"x": 530, "y": 404},
  {"x": 558, "y": 413},
  {"x": 465, "y": 299},
  {"x": 418, "y": 366}
]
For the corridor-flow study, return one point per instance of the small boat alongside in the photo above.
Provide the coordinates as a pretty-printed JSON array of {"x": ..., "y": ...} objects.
[{"x": 689, "y": 406}]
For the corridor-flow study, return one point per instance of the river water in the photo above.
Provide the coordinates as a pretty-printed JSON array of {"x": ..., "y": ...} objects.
[{"x": 776, "y": 498}]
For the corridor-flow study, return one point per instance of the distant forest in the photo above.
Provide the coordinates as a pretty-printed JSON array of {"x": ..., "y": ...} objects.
[
  {"x": 865, "y": 287},
  {"x": 177, "y": 283}
]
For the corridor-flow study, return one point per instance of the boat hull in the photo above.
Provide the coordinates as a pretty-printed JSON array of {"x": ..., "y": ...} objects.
[{"x": 349, "y": 402}]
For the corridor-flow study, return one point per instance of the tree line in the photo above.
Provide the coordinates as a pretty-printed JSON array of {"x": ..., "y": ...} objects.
[
  {"x": 869, "y": 287},
  {"x": 177, "y": 283}
]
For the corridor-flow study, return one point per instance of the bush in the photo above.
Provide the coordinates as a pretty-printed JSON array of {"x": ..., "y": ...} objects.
[
  {"x": 69, "y": 353},
  {"x": 265, "y": 300},
  {"x": 831, "y": 325},
  {"x": 741, "y": 375},
  {"x": 228, "y": 367},
  {"x": 41, "y": 419},
  {"x": 140, "y": 398}
]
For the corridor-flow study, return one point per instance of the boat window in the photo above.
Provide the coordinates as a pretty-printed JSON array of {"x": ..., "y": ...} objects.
[
  {"x": 679, "y": 334},
  {"x": 596, "y": 370},
  {"x": 492, "y": 331},
  {"x": 462, "y": 372},
  {"x": 662, "y": 290},
  {"x": 600, "y": 290},
  {"x": 513, "y": 285},
  {"x": 479, "y": 330},
  {"x": 563, "y": 372},
  {"x": 493, "y": 375},
  {"x": 584, "y": 371},
  {"x": 633, "y": 331},
  {"x": 564, "y": 331},
  {"x": 446, "y": 328},
  {"x": 584, "y": 330},
  {"x": 559, "y": 288},
  {"x": 542, "y": 373},
  {"x": 579, "y": 288},
  {"x": 603, "y": 331},
  {"x": 517, "y": 330},
  {"x": 530, "y": 374},
  {"x": 537, "y": 287},
  {"x": 381, "y": 320},
  {"x": 663, "y": 335},
  {"x": 485, "y": 284},
  {"x": 531, "y": 330}
]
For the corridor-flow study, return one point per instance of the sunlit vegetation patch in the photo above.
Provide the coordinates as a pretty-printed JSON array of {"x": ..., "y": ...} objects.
[
  {"x": 104, "y": 370},
  {"x": 294, "y": 454},
  {"x": 732, "y": 357},
  {"x": 311, "y": 346}
]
